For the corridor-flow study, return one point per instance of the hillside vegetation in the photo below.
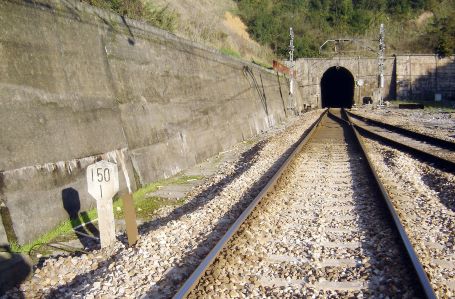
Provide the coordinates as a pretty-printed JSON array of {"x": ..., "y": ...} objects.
[
  {"x": 210, "y": 22},
  {"x": 161, "y": 17},
  {"x": 214, "y": 22},
  {"x": 416, "y": 26},
  {"x": 262, "y": 31}
]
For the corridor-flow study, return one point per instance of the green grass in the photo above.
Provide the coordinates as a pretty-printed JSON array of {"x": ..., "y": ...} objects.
[
  {"x": 233, "y": 53},
  {"x": 145, "y": 206},
  {"x": 63, "y": 228},
  {"x": 230, "y": 52}
]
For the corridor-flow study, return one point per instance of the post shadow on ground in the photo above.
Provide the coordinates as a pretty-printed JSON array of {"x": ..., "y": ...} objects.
[
  {"x": 369, "y": 201},
  {"x": 192, "y": 258},
  {"x": 444, "y": 191},
  {"x": 245, "y": 162},
  {"x": 14, "y": 269},
  {"x": 176, "y": 276},
  {"x": 443, "y": 188},
  {"x": 72, "y": 205}
]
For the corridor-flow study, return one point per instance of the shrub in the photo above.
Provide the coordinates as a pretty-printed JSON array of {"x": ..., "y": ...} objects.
[{"x": 163, "y": 18}]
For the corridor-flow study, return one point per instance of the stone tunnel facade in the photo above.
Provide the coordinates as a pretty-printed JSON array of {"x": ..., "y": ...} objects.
[
  {"x": 311, "y": 71},
  {"x": 79, "y": 84},
  {"x": 406, "y": 77}
]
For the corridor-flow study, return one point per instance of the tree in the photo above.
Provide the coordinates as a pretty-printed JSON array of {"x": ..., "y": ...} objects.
[{"x": 445, "y": 31}]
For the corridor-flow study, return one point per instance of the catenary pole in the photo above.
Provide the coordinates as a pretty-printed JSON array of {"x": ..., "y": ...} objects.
[
  {"x": 381, "y": 63},
  {"x": 291, "y": 68}
]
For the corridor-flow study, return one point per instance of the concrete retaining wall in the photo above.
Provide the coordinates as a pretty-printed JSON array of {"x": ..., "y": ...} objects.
[
  {"x": 408, "y": 77},
  {"x": 420, "y": 77},
  {"x": 78, "y": 84}
]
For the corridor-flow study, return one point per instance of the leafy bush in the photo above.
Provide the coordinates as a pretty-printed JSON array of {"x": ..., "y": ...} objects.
[
  {"x": 315, "y": 21},
  {"x": 162, "y": 18}
]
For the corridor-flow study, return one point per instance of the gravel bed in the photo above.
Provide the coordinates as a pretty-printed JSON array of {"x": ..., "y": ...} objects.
[
  {"x": 424, "y": 198},
  {"x": 323, "y": 232},
  {"x": 172, "y": 245},
  {"x": 437, "y": 124},
  {"x": 421, "y": 145}
]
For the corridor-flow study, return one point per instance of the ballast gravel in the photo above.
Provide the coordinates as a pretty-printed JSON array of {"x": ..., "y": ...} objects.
[
  {"x": 424, "y": 198},
  {"x": 171, "y": 246},
  {"x": 322, "y": 233},
  {"x": 437, "y": 124}
]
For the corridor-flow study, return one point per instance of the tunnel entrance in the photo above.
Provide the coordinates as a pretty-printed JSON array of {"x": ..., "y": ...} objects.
[{"x": 337, "y": 88}]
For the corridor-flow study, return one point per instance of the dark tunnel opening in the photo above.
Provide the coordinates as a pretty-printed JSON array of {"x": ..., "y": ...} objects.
[{"x": 337, "y": 88}]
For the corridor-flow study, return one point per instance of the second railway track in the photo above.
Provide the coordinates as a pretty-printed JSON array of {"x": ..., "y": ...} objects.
[
  {"x": 436, "y": 151},
  {"x": 423, "y": 197},
  {"x": 323, "y": 232}
]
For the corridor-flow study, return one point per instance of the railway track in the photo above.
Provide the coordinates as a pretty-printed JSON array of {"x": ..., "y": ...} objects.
[
  {"x": 439, "y": 152},
  {"x": 424, "y": 198},
  {"x": 322, "y": 229}
]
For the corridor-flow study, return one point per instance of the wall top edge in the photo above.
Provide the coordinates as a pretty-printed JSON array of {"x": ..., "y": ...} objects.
[
  {"x": 375, "y": 58},
  {"x": 81, "y": 7}
]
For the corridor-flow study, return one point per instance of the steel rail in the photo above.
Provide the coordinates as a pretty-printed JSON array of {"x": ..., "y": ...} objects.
[
  {"x": 194, "y": 278},
  {"x": 418, "y": 268},
  {"x": 436, "y": 161},
  {"x": 449, "y": 145}
]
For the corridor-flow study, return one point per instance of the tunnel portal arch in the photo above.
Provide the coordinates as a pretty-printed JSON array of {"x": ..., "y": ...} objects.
[{"x": 337, "y": 88}]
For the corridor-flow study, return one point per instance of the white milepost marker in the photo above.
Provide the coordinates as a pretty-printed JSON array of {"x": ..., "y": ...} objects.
[{"x": 102, "y": 182}]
